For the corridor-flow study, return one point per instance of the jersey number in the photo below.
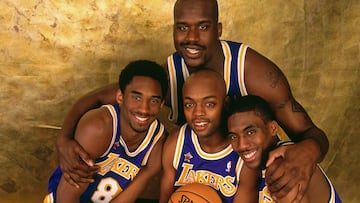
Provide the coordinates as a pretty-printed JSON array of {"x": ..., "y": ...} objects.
[{"x": 107, "y": 189}]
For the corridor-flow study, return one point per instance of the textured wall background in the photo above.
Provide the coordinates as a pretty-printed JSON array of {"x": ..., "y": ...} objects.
[{"x": 52, "y": 52}]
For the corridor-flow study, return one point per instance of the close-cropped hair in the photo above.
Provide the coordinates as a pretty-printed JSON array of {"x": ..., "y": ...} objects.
[
  {"x": 248, "y": 103},
  {"x": 215, "y": 7},
  {"x": 144, "y": 68}
]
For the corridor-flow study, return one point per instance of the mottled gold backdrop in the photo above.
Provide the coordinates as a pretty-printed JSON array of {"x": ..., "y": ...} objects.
[{"x": 53, "y": 51}]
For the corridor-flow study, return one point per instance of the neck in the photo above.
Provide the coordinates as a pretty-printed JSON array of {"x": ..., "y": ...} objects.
[
  {"x": 272, "y": 146},
  {"x": 132, "y": 138},
  {"x": 214, "y": 143}
]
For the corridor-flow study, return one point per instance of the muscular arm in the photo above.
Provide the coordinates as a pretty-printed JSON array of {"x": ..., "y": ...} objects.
[
  {"x": 93, "y": 133},
  {"x": 168, "y": 177},
  {"x": 265, "y": 79},
  {"x": 74, "y": 161},
  {"x": 248, "y": 185}
]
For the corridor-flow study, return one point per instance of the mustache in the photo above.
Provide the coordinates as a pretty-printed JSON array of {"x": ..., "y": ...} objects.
[
  {"x": 140, "y": 114},
  {"x": 189, "y": 43}
]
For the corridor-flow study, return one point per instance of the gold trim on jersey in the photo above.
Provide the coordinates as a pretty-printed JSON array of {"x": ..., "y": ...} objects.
[
  {"x": 114, "y": 126},
  {"x": 156, "y": 139},
  {"x": 173, "y": 88},
  {"x": 173, "y": 116},
  {"x": 240, "y": 66},
  {"x": 144, "y": 143},
  {"x": 207, "y": 156},
  {"x": 239, "y": 166},
  {"x": 49, "y": 198},
  {"x": 179, "y": 146},
  {"x": 227, "y": 64}
]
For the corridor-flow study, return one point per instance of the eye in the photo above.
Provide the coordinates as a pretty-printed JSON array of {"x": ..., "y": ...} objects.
[
  {"x": 155, "y": 101},
  {"x": 203, "y": 27},
  {"x": 233, "y": 136},
  {"x": 251, "y": 132},
  {"x": 136, "y": 97},
  {"x": 210, "y": 104},
  {"x": 182, "y": 27},
  {"x": 188, "y": 105}
]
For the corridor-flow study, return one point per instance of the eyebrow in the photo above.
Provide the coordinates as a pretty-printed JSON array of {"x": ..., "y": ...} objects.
[
  {"x": 139, "y": 93},
  {"x": 181, "y": 22},
  {"x": 204, "y": 98},
  {"x": 244, "y": 129}
]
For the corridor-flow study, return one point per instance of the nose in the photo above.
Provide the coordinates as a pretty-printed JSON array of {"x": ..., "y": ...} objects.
[
  {"x": 144, "y": 107},
  {"x": 192, "y": 34},
  {"x": 240, "y": 144},
  {"x": 199, "y": 110}
]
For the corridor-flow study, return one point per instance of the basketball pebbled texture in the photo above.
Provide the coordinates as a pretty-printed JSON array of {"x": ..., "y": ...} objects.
[{"x": 195, "y": 193}]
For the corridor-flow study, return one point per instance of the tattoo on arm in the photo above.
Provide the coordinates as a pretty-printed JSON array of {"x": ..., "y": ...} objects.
[
  {"x": 296, "y": 107},
  {"x": 274, "y": 77},
  {"x": 283, "y": 104}
]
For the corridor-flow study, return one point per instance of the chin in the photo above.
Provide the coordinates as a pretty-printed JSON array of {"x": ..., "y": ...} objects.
[{"x": 194, "y": 63}]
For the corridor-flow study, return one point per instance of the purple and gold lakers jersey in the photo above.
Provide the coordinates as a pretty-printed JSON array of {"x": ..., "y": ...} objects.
[
  {"x": 119, "y": 166},
  {"x": 233, "y": 75},
  {"x": 264, "y": 194},
  {"x": 220, "y": 170}
]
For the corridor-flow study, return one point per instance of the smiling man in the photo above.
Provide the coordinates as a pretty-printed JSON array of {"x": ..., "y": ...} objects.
[
  {"x": 254, "y": 133},
  {"x": 200, "y": 151},
  {"x": 125, "y": 142}
]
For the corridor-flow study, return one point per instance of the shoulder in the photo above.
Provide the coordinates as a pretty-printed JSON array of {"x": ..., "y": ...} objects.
[
  {"x": 96, "y": 119},
  {"x": 264, "y": 78},
  {"x": 94, "y": 131},
  {"x": 171, "y": 139}
]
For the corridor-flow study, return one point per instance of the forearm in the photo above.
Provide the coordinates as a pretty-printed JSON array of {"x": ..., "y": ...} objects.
[
  {"x": 65, "y": 193},
  {"x": 134, "y": 189},
  {"x": 317, "y": 142},
  {"x": 166, "y": 186}
]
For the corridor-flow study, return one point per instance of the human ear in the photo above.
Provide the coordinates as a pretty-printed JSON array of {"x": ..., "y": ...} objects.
[
  {"x": 219, "y": 29},
  {"x": 119, "y": 96},
  {"x": 273, "y": 128}
]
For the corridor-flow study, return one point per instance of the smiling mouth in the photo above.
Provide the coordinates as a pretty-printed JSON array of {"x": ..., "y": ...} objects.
[
  {"x": 248, "y": 156},
  {"x": 201, "y": 125},
  {"x": 142, "y": 119},
  {"x": 192, "y": 50}
]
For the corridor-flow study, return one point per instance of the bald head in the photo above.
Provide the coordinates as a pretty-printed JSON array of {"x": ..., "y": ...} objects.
[
  {"x": 184, "y": 4},
  {"x": 206, "y": 81}
]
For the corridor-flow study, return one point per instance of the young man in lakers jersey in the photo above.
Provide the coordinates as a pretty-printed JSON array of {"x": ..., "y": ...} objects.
[
  {"x": 197, "y": 33},
  {"x": 125, "y": 141},
  {"x": 200, "y": 151},
  {"x": 253, "y": 131}
]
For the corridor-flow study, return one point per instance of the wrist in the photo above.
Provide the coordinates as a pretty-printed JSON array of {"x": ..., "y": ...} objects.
[
  {"x": 313, "y": 150},
  {"x": 61, "y": 140}
]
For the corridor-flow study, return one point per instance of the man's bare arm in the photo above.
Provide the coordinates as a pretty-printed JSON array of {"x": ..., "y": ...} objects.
[
  {"x": 75, "y": 163},
  {"x": 263, "y": 78},
  {"x": 168, "y": 176},
  {"x": 94, "y": 134}
]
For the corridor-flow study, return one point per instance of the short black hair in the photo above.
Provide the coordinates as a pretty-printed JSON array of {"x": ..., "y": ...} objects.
[
  {"x": 247, "y": 103},
  {"x": 215, "y": 8},
  {"x": 145, "y": 68}
]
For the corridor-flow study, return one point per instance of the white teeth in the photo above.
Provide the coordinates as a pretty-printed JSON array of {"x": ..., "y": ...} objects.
[
  {"x": 249, "y": 155},
  {"x": 200, "y": 124},
  {"x": 141, "y": 118},
  {"x": 192, "y": 51}
]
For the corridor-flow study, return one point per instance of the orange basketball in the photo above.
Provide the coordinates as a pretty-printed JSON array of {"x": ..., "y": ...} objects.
[{"x": 195, "y": 193}]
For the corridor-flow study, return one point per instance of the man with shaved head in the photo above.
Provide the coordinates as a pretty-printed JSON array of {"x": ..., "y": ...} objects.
[{"x": 200, "y": 151}]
